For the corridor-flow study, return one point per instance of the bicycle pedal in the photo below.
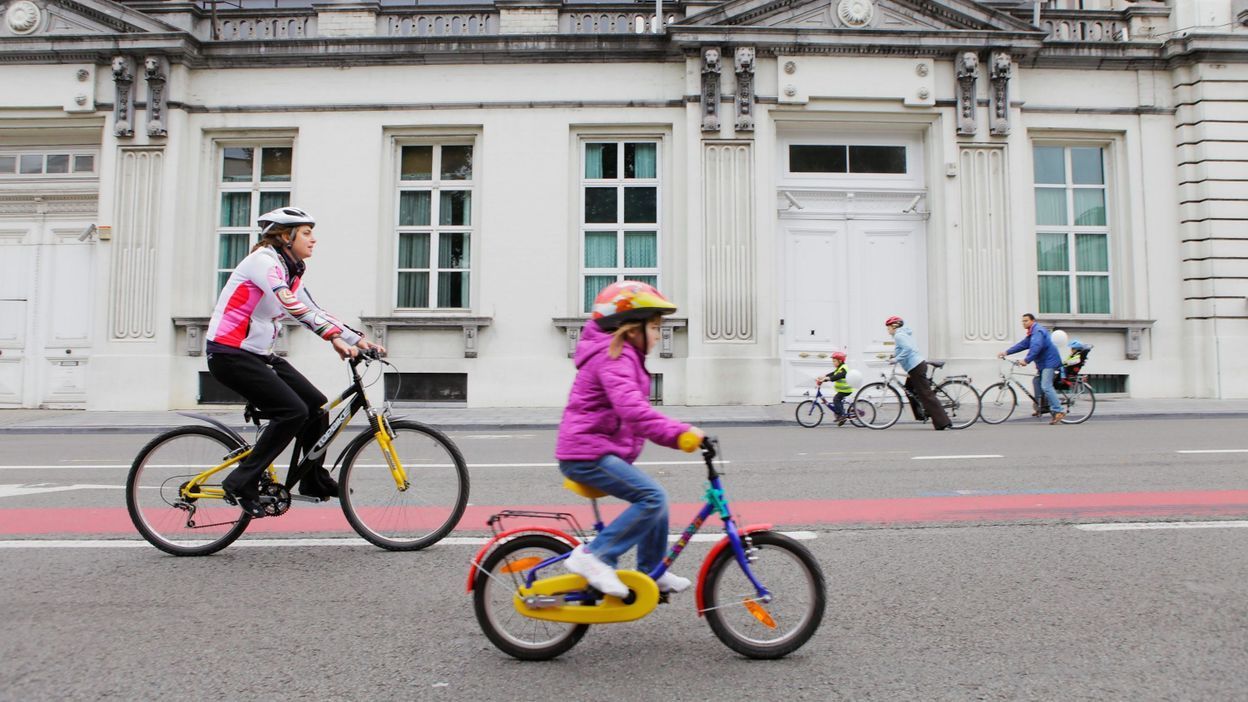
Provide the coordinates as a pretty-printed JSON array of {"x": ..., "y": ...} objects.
[
  {"x": 308, "y": 498},
  {"x": 664, "y": 597}
]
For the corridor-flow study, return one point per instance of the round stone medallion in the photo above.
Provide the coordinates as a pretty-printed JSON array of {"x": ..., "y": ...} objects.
[
  {"x": 855, "y": 13},
  {"x": 23, "y": 17}
]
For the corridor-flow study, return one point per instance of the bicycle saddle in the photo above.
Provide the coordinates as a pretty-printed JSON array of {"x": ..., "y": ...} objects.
[
  {"x": 936, "y": 364},
  {"x": 254, "y": 414},
  {"x": 583, "y": 490}
]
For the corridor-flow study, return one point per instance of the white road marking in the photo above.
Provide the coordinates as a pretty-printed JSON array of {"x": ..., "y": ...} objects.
[
  {"x": 1213, "y": 451},
  {"x": 24, "y": 489},
  {"x": 100, "y": 466},
  {"x": 948, "y": 458},
  {"x": 342, "y": 541},
  {"x": 103, "y": 466},
  {"x": 1140, "y": 526}
]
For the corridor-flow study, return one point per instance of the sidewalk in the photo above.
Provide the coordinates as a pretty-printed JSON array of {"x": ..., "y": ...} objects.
[{"x": 23, "y": 421}]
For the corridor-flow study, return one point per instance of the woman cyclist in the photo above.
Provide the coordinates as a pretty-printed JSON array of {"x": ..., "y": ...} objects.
[{"x": 264, "y": 288}]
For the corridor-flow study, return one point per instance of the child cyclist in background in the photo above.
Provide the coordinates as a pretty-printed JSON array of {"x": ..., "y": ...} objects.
[
  {"x": 605, "y": 425},
  {"x": 840, "y": 384}
]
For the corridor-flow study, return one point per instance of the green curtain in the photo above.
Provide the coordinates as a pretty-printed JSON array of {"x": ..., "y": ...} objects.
[
  {"x": 1092, "y": 252},
  {"x": 1094, "y": 294},
  {"x": 233, "y": 250},
  {"x": 414, "y": 208},
  {"x": 1051, "y": 252},
  {"x": 455, "y": 208},
  {"x": 651, "y": 280},
  {"x": 641, "y": 250},
  {"x": 593, "y": 160},
  {"x": 414, "y": 250},
  {"x": 235, "y": 209},
  {"x": 594, "y": 283},
  {"x": 413, "y": 289},
  {"x": 600, "y": 250},
  {"x": 1089, "y": 207},
  {"x": 1054, "y": 294},
  {"x": 453, "y": 251},
  {"x": 270, "y": 201},
  {"x": 641, "y": 160},
  {"x": 1050, "y": 206},
  {"x": 453, "y": 289}
]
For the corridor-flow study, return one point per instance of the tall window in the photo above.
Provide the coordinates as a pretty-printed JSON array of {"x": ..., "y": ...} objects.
[
  {"x": 434, "y": 226},
  {"x": 1072, "y": 230},
  {"x": 619, "y": 214},
  {"x": 251, "y": 180}
]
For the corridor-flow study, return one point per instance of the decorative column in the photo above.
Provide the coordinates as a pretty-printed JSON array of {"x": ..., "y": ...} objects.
[
  {"x": 729, "y": 252},
  {"x": 985, "y": 244},
  {"x": 710, "y": 89},
  {"x": 133, "y": 294},
  {"x": 999, "y": 109},
  {"x": 123, "y": 106},
  {"x": 968, "y": 73},
  {"x": 745, "y": 88},
  {"x": 156, "y": 69}
]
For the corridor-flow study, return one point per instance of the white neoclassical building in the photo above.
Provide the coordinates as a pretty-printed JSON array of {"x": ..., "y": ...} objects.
[{"x": 790, "y": 172}]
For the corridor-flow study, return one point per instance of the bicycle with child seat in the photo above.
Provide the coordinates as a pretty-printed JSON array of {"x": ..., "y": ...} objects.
[
  {"x": 810, "y": 412},
  {"x": 998, "y": 401},
  {"x": 403, "y": 485},
  {"x": 762, "y": 593},
  {"x": 957, "y": 397}
]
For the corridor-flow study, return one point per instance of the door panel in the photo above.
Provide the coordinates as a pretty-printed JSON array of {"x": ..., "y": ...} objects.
[{"x": 17, "y": 264}]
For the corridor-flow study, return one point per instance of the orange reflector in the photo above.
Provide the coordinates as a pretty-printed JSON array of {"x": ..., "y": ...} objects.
[
  {"x": 520, "y": 564},
  {"x": 760, "y": 614}
]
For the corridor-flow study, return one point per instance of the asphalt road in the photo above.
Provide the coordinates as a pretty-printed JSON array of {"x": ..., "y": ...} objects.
[{"x": 995, "y": 604}]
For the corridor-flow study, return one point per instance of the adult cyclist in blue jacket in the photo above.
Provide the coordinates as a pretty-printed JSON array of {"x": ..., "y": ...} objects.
[{"x": 1040, "y": 350}]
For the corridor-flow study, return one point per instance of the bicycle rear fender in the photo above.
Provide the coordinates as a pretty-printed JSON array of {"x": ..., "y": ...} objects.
[
  {"x": 489, "y": 546},
  {"x": 710, "y": 558},
  {"x": 218, "y": 424}
]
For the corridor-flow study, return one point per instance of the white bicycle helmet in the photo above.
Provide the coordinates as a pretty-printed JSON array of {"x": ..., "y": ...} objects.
[{"x": 286, "y": 217}]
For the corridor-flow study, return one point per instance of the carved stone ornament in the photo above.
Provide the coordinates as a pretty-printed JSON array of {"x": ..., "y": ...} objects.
[
  {"x": 855, "y": 13},
  {"x": 711, "y": 69},
  {"x": 745, "y": 88},
  {"x": 23, "y": 17},
  {"x": 123, "y": 106},
  {"x": 156, "y": 69},
  {"x": 999, "y": 112},
  {"x": 968, "y": 73}
]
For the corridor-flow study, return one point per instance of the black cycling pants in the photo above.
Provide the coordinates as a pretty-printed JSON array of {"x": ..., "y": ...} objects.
[
  {"x": 274, "y": 386},
  {"x": 918, "y": 383}
]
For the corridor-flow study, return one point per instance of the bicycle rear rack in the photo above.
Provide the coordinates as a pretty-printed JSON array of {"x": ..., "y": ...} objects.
[{"x": 495, "y": 522}]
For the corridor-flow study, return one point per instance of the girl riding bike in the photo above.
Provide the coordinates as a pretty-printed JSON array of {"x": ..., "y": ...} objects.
[
  {"x": 265, "y": 287},
  {"x": 606, "y": 422}
]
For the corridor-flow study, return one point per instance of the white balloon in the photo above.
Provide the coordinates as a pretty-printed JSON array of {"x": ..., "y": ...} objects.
[
  {"x": 854, "y": 377},
  {"x": 1060, "y": 338}
]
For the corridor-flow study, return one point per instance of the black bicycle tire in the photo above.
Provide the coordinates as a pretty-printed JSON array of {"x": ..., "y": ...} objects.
[
  {"x": 457, "y": 512},
  {"x": 132, "y": 507},
  {"x": 813, "y": 406},
  {"x": 482, "y": 581},
  {"x": 726, "y": 557},
  {"x": 1013, "y": 405},
  {"x": 1087, "y": 389},
  {"x": 973, "y": 393},
  {"x": 897, "y": 395}
]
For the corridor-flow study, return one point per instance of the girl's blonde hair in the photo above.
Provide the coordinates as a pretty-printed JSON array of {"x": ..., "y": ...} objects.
[
  {"x": 619, "y": 336},
  {"x": 275, "y": 238}
]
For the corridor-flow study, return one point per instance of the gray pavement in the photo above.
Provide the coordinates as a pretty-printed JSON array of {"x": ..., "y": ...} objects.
[{"x": 36, "y": 421}]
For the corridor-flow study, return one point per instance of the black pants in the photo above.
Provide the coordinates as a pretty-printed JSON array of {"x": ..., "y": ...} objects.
[
  {"x": 274, "y": 386},
  {"x": 918, "y": 384}
]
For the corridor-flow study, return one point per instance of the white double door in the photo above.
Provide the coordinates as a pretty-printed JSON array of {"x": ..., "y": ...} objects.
[
  {"x": 46, "y": 301},
  {"x": 842, "y": 279}
]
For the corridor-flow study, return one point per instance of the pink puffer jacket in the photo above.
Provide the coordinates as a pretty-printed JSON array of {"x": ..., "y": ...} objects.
[{"x": 608, "y": 409}]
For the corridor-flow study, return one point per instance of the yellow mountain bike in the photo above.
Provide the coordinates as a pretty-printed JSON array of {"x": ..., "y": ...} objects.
[{"x": 403, "y": 485}]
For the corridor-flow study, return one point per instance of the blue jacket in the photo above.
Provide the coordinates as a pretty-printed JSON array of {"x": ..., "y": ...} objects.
[
  {"x": 1040, "y": 348},
  {"x": 906, "y": 353}
]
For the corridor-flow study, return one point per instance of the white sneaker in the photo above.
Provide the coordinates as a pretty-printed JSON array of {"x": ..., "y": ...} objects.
[
  {"x": 599, "y": 574},
  {"x": 670, "y": 582}
]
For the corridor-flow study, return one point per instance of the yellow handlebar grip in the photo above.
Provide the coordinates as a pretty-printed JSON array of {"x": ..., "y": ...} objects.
[{"x": 688, "y": 442}]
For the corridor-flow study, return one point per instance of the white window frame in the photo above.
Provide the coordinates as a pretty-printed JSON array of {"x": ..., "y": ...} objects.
[
  {"x": 619, "y": 271},
  {"x": 435, "y": 185},
  {"x": 913, "y": 143},
  {"x": 1072, "y": 230},
  {"x": 255, "y": 186},
  {"x": 72, "y": 152}
]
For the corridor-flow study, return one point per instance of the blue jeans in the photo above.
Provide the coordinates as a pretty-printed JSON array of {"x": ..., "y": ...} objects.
[
  {"x": 643, "y": 524},
  {"x": 1043, "y": 383}
]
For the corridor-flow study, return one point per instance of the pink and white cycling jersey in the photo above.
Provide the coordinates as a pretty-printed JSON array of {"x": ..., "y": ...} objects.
[{"x": 256, "y": 297}]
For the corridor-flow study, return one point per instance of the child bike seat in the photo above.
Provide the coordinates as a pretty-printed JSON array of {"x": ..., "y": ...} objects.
[{"x": 583, "y": 490}]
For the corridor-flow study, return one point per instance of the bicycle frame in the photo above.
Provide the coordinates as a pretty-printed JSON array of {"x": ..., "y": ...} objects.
[
  {"x": 1010, "y": 380},
  {"x": 356, "y": 399}
]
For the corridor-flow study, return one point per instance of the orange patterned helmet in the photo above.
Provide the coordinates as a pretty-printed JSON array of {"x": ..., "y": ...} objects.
[{"x": 627, "y": 301}]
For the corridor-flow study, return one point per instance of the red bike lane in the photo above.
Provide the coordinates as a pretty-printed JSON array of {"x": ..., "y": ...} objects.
[{"x": 905, "y": 511}]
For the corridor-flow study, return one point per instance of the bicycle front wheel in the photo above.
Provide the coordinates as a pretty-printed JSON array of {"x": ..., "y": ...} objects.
[
  {"x": 997, "y": 403},
  {"x": 418, "y": 513},
  {"x": 809, "y": 413},
  {"x": 494, "y": 589},
  {"x": 173, "y": 523},
  {"x": 960, "y": 401},
  {"x": 1079, "y": 402},
  {"x": 885, "y": 402},
  {"x": 759, "y": 629}
]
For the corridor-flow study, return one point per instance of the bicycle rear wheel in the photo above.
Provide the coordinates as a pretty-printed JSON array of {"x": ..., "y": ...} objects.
[
  {"x": 885, "y": 402},
  {"x": 173, "y": 523},
  {"x": 997, "y": 403},
  {"x": 418, "y": 514},
  {"x": 960, "y": 401},
  {"x": 1079, "y": 402},
  {"x": 493, "y": 600},
  {"x": 861, "y": 412},
  {"x": 809, "y": 413},
  {"x": 765, "y": 629}
]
